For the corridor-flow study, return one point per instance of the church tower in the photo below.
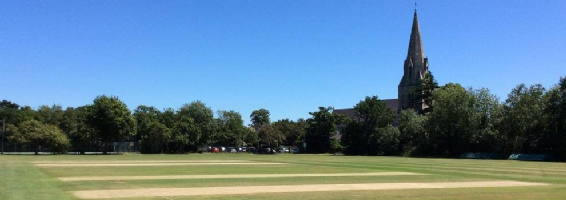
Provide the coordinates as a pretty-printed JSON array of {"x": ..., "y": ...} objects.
[{"x": 414, "y": 70}]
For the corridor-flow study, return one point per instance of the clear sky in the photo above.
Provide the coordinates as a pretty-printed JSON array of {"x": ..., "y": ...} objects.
[{"x": 289, "y": 57}]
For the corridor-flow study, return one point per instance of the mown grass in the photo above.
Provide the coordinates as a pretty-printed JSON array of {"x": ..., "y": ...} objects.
[{"x": 19, "y": 179}]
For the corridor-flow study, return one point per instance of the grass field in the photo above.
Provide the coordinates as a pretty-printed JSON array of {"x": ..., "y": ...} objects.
[{"x": 244, "y": 176}]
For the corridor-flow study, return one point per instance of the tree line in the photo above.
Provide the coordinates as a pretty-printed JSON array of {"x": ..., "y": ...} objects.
[{"x": 531, "y": 120}]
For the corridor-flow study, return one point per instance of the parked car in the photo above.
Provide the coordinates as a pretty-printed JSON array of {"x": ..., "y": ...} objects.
[
  {"x": 295, "y": 150},
  {"x": 265, "y": 150},
  {"x": 250, "y": 149},
  {"x": 231, "y": 150},
  {"x": 283, "y": 150}
]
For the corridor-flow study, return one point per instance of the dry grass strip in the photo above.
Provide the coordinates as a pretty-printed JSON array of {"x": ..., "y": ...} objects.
[
  {"x": 149, "y": 164},
  {"x": 224, "y": 176},
  {"x": 171, "y": 192},
  {"x": 131, "y": 161}
]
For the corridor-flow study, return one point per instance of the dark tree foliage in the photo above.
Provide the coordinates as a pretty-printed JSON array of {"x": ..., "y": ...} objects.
[
  {"x": 153, "y": 135},
  {"x": 413, "y": 137},
  {"x": 448, "y": 124},
  {"x": 523, "y": 123},
  {"x": 75, "y": 125},
  {"x": 424, "y": 90},
  {"x": 259, "y": 118},
  {"x": 168, "y": 117},
  {"x": 231, "y": 129},
  {"x": 197, "y": 125},
  {"x": 50, "y": 114},
  {"x": 554, "y": 137},
  {"x": 269, "y": 135},
  {"x": 291, "y": 130},
  {"x": 321, "y": 127},
  {"x": 14, "y": 114},
  {"x": 371, "y": 133},
  {"x": 111, "y": 120}
]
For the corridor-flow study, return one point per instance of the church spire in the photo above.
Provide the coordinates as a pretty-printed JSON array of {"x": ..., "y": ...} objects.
[
  {"x": 415, "y": 68},
  {"x": 416, "y": 49}
]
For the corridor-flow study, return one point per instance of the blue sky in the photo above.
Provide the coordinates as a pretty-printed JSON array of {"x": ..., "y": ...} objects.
[{"x": 289, "y": 57}]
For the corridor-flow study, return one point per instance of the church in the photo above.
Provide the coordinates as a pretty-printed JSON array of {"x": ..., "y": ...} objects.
[{"x": 414, "y": 70}]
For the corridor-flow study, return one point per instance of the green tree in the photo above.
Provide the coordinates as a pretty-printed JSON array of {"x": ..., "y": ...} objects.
[
  {"x": 413, "y": 138},
  {"x": 153, "y": 135},
  {"x": 259, "y": 118},
  {"x": 14, "y": 114},
  {"x": 232, "y": 131},
  {"x": 321, "y": 127},
  {"x": 168, "y": 117},
  {"x": 554, "y": 138},
  {"x": 111, "y": 119},
  {"x": 369, "y": 133},
  {"x": 74, "y": 124},
  {"x": 448, "y": 124},
  {"x": 424, "y": 90},
  {"x": 291, "y": 130},
  {"x": 203, "y": 127},
  {"x": 250, "y": 137},
  {"x": 271, "y": 136},
  {"x": 157, "y": 139},
  {"x": 335, "y": 146},
  {"x": 181, "y": 140},
  {"x": 524, "y": 112},
  {"x": 50, "y": 115},
  {"x": 487, "y": 117},
  {"x": 39, "y": 136}
]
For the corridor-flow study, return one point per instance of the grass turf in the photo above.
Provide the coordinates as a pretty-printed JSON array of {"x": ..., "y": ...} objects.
[{"x": 19, "y": 179}]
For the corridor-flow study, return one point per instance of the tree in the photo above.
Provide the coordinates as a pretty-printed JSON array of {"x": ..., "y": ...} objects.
[
  {"x": 231, "y": 129},
  {"x": 270, "y": 136},
  {"x": 50, "y": 115},
  {"x": 153, "y": 135},
  {"x": 111, "y": 119},
  {"x": 259, "y": 118},
  {"x": 202, "y": 118},
  {"x": 413, "y": 138},
  {"x": 10, "y": 112},
  {"x": 74, "y": 124},
  {"x": 181, "y": 134},
  {"x": 448, "y": 124},
  {"x": 168, "y": 117},
  {"x": 321, "y": 126},
  {"x": 487, "y": 116},
  {"x": 424, "y": 89},
  {"x": 14, "y": 114},
  {"x": 554, "y": 136},
  {"x": 335, "y": 146},
  {"x": 291, "y": 130},
  {"x": 156, "y": 139},
  {"x": 523, "y": 111},
  {"x": 369, "y": 133},
  {"x": 250, "y": 137},
  {"x": 39, "y": 135}
]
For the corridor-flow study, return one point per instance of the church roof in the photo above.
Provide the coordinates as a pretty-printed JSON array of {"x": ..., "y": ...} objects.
[
  {"x": 416, "y": 49},
  {"x": 390, "y": 103}
]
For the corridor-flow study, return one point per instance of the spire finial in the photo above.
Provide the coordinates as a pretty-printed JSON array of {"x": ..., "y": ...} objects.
[{"x": 415, "y": 5}]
